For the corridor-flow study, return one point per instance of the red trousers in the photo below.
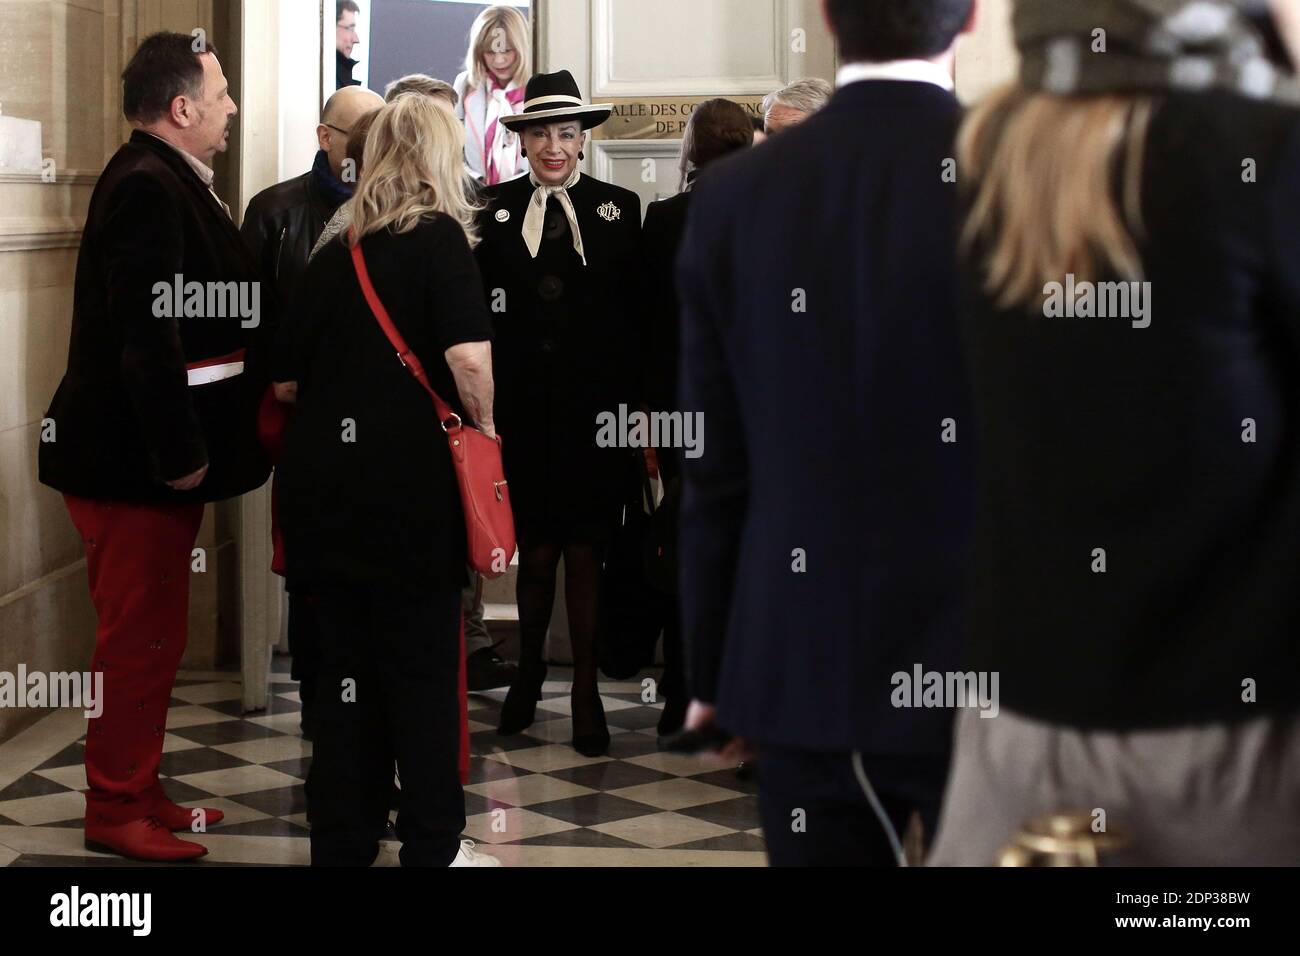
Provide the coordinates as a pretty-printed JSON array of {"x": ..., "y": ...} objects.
[{"x": 138, "y": 563}]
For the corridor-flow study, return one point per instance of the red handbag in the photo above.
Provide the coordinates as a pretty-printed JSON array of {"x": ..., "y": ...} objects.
[{"x": 489, "y": 522}]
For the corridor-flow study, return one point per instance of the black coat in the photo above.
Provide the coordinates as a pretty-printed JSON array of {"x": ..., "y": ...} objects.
[
  {"x": 661, "y": 236},
  {"x": 384, "y": 507},
  {"x": 281, "y": 226},
  {"x": 125, "y": 418},
  {"x": 566, "y": 348},
  {"x": 343, "y": 70},
  {"x": 825, "y": 530},
  {"x": 1175, "y": 448}
]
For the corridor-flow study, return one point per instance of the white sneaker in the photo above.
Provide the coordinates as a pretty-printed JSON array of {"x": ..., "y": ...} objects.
[{"x": 468, "y": 856}]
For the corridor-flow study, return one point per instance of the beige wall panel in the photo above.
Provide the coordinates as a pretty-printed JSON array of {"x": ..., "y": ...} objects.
[
  {"x": 54, "y": 73},
  {"x": 48, "y": 627},
  {"x": 38, "y": 537},
  {"x": 80, "y": 76},
  {"x": 34, "y": 325}
]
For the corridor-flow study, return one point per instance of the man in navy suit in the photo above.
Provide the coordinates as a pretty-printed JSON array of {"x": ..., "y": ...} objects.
[{"x": 825, "y": 529}]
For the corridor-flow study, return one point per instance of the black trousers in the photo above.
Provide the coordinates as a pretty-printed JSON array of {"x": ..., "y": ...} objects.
[
  {"x": 389, "y": 661},
  {"x": 304, "y": 648},
  {"x": 815, "y": 812}
]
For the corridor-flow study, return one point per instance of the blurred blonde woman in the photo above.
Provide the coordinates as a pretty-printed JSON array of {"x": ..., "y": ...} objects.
[
  {"x": 497, "y": 65},
  {"x": 371, "y": 512},
  {"x": 1133, "y": 328}
]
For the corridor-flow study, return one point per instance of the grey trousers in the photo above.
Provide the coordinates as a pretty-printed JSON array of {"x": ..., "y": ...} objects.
[
  {"x": 471, "y": 602},
  {"x": 1211, "y": 795}
]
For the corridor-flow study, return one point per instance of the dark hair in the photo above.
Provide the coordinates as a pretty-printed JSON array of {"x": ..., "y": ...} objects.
[
  {"x": 164, "y": 66},
  {"x": 759, "y": 124},
  {"x": 880, "y": 30},
  {"x": 718, "y": 127},
  {"x": 343, "y": 6}
]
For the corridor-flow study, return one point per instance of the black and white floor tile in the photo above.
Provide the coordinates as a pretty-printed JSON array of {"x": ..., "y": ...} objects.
[{"x": 531, "y": 800}]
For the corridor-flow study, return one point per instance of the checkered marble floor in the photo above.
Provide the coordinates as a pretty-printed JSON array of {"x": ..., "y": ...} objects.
[{"x": 531, "y": 800}]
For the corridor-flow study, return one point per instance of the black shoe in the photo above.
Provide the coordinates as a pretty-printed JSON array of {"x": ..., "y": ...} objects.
[
  {"x": 673, "y": 716},
  {"x": 520, "y": 708},
  {"x": 485, "y": 670},
  {"x": 595, "y": 741}
]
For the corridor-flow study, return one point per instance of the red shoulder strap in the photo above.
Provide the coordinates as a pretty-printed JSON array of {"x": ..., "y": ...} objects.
[{"x": 404, "y": 354}]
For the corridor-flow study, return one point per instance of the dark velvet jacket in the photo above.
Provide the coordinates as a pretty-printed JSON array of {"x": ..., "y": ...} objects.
[{"x": 125, "y": 418}]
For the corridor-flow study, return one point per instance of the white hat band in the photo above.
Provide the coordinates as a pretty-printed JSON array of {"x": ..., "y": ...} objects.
[{"x": 557, "y": 98}]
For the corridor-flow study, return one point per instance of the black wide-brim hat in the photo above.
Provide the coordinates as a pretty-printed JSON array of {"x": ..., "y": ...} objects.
[{"x": 554, "y": 98}]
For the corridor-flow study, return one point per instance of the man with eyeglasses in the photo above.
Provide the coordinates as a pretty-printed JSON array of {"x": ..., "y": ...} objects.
[
  {"x": 281, "y": 225},
  {"x": 345, "y": 38}
]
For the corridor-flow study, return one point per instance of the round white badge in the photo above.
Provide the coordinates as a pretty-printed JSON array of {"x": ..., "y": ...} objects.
[{"x": 503, "y": 215}]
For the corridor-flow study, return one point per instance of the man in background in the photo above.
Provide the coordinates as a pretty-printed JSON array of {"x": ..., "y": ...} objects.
[
  {"x": 825, "y": 529},
  {"x": 283, "y": 222},
  {"x": 345, "y": 39},
  {"x": 281, "y": 225},
  {"x": 791, "y": 105}
]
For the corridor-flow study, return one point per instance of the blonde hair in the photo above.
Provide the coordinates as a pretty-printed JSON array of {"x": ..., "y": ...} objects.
[
  {"x": 412, "y": 164},
  {"x": 1045, "y": 203},
  {"x": 514, "y": 27}
]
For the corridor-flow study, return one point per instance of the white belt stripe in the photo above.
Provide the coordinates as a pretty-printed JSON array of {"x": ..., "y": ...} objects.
[{"x": 214, "y": 373}]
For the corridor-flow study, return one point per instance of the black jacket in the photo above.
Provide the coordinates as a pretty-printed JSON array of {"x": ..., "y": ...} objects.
[
  {"x": 1173, "y": 448},
  {"x": 566, "y": 348},
  {"x": 661, "y": 235},
  {"x": 343, "y": 70},
  {"x": 383, "y": 507},
  {"x": 825, "y": 529},
  {"x": 281, "y": 226},
  {"x": 125, "y": 418}
]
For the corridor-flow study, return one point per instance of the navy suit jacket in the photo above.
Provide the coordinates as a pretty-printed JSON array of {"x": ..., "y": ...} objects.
[{"x": 825, "y": 529}]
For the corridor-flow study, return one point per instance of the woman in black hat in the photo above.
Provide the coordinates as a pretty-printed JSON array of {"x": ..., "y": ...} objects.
[{"x": 560, "y": 258}]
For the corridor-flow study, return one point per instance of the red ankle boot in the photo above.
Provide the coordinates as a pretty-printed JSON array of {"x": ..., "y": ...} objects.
[{"x": 146, "y": 839}]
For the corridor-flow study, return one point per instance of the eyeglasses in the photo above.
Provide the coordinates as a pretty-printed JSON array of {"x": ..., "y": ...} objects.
[{"x": 345, "y": 132}]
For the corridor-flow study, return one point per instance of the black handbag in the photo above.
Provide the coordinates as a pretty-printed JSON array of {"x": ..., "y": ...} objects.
[{"x": 631, "y": 610}]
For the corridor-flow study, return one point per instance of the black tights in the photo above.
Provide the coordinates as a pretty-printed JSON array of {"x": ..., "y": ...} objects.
[{"x": 535, "y": 592}]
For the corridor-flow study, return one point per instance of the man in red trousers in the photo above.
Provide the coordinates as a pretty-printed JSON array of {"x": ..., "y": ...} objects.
[{"x": 155, "y": 416}]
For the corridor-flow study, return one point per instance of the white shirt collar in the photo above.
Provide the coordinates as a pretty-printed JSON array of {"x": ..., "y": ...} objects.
[{"x": 915, "y": 71}]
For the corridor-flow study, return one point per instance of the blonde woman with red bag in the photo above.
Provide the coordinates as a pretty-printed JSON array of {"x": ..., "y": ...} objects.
[{"x": 370, "y": 501}]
